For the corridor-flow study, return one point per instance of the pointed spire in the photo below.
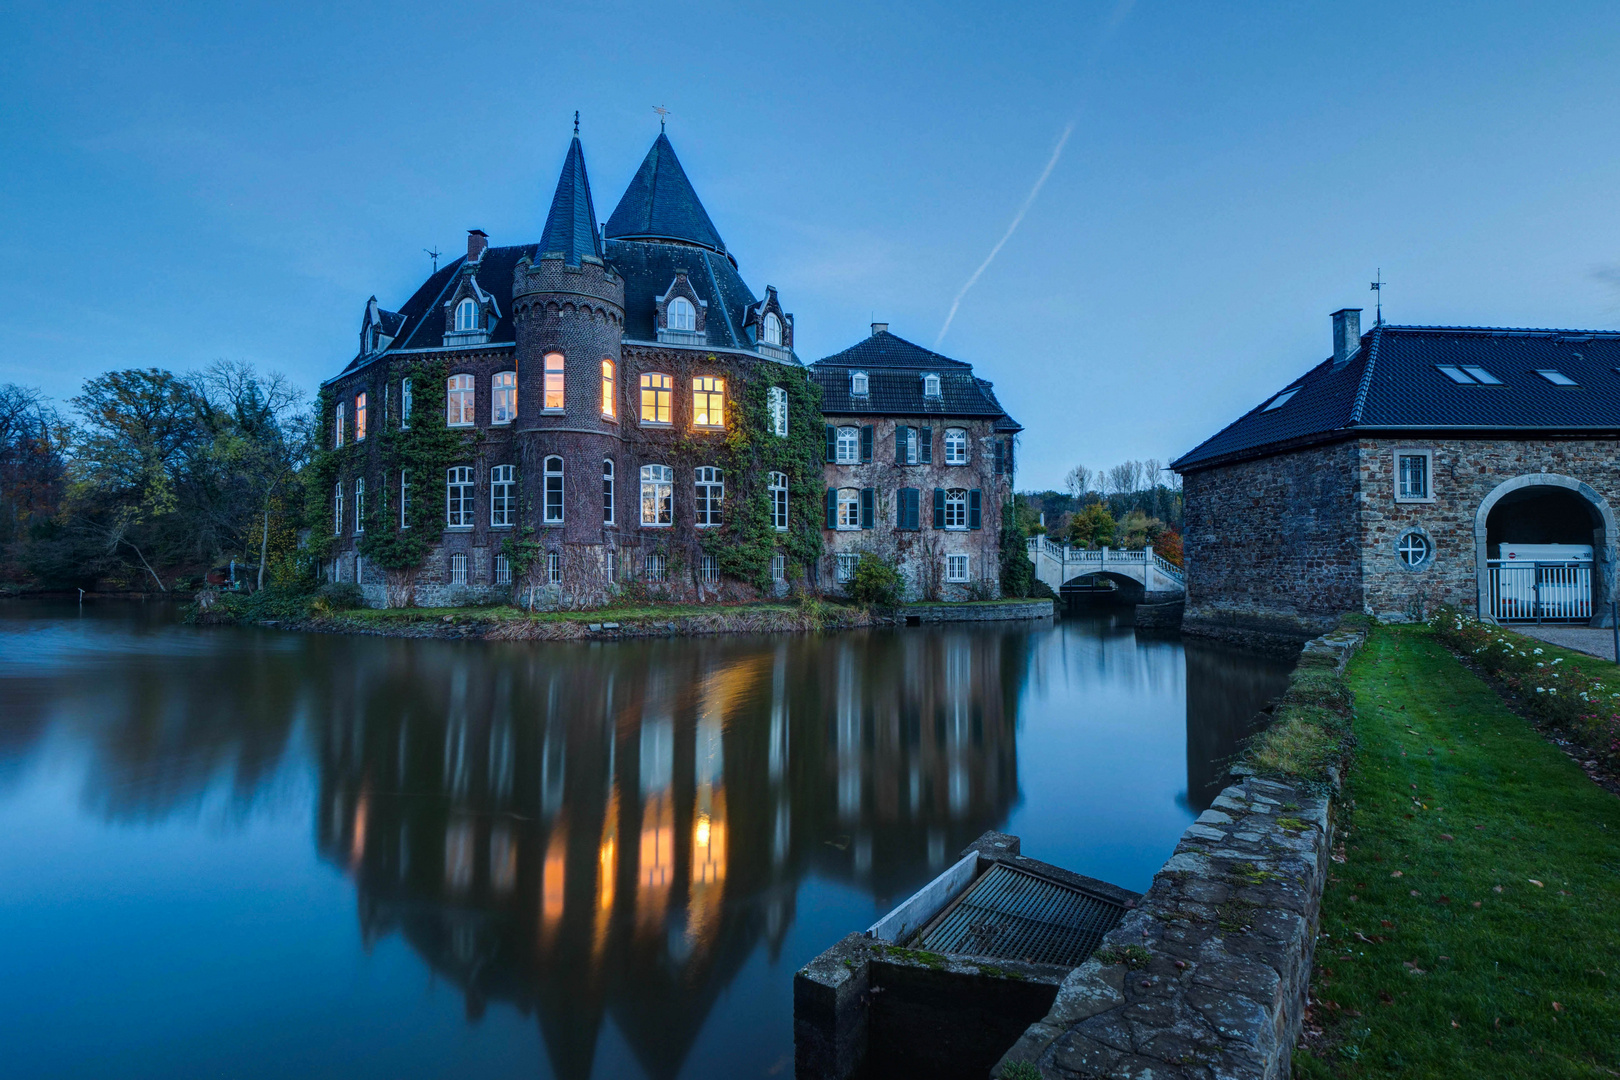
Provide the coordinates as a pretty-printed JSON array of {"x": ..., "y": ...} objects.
[
  {"x": 571, "y": 225},
  {"x": 660, "y": 204}
]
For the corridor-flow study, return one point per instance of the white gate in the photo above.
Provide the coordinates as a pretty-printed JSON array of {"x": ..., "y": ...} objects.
[{"x": 1540, "y": 591}]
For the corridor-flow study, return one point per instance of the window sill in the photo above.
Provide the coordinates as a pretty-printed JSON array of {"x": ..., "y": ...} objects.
[
  {"x": 657, "y": 423},
  {"x": 498, "y": 423},
  {"x": 552, "y": 412},
  {"x": 1405, "y": 500},
  {"x": 957, "y": 528},
  {"x": 458, "y": 528},
  {"x": 462, "y": 425},
  {"x": 713, "y": 525},
  {"x": 495, "y": 526},
  {"x": 708, "y": 427},
  {"x": 656, "y": 525}
]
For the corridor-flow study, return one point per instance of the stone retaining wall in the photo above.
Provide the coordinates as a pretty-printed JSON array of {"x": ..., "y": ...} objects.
[
  {"x": 1208, "y": 977},
  {"x": 974, "y": 612}
]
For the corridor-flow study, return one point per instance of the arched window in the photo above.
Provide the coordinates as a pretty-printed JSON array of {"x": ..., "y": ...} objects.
[
  {"x": 503, "y": 397},
  {"x": 607, "y": 491},
  {"x": 359, "y": 417},
  {"x": 708, "y": 402},
  {"x": 458, "y": 398},
  {"x": 657, "y": 495},
  {"x": 711, "y": 492},
  {"x": 848, "y": 448},
  {"x": 554, "y": 490},
  {"x": 503, "y": 496},
  {"x": 682, "y": 315},
  {"x": 458, "y": 497},
  {"x": 773, "y": 329},
  {"x": 930, "y": 386},
  {"x": 849, "y": 509},
  {"x": 956, "y": 446},
  {"x": 655, "y": 398},
  {"x": 956, "y": 509},
  {"x": 609, "y": 407},
  {"x": 554, "y": 382},
  {"x": 467, "y": 315},
  {"x": 858, "y": 384},
  {"x": 360, "y": 505},
  {"x": 776, "y": 400},
  {"x": 779, "y": 501}
]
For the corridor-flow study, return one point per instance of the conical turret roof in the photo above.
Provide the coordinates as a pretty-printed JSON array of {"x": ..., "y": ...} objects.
[
  {"x": 571, "y": 224},
  {"x": 660, "y": 204}
]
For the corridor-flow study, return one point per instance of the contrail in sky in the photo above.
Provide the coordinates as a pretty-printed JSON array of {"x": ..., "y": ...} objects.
[{"x": 1018, "y": 218}]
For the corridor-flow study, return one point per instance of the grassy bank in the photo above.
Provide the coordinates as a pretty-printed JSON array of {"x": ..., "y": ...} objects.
[{"x": 1474, "y": 926}]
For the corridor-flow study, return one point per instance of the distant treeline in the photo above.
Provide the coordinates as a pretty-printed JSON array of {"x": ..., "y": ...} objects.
[
  {"x": 1133, "y": 504},
  {"x": 149, "y": 479}
]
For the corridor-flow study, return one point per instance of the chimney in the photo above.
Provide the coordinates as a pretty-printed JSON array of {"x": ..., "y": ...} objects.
[
  {"x": 879, "y": 328},
  {"x": 477, "y": 241},
  {"x": 1346, "y": 333}
]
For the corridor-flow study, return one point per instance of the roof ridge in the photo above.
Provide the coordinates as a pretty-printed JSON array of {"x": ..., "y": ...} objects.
[
  {"x": 1366, "y": 376},
  {"x": 1500, "y": 330}
]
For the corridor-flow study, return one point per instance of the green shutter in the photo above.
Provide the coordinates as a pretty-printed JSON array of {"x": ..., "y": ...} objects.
[
  {"x": 899, "y": 444},
  {"x": 908, "y": 509},
  {"x": 832, "y": 508},
  {"x": 866, "y": 442},
  {"x": 868, "y": 508},
  {"x": 832, "y": 443},
  {"x": 975, "y": 510},
  {"x": 925, "y": 453},
  {"x": 939, "y": 508}
]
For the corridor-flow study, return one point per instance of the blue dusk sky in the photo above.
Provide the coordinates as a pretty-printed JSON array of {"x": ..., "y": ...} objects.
[{"x": 192, "y": 182}]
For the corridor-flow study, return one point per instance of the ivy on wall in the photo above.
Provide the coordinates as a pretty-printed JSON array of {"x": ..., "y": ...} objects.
[{"x": 318, "y": 478}]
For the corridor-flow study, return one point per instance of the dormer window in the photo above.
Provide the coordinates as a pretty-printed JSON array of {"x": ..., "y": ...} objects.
[
  {"x": 773, "y": 329},
  {"x": 682, "y": 315},
  {"x": 858, "y": 386},
  {"x": 931, "y": 386},
  {"x": 466, "y": 315}
]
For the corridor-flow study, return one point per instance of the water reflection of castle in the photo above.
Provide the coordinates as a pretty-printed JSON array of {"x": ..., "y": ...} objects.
[{"x": 589, "y": 830}]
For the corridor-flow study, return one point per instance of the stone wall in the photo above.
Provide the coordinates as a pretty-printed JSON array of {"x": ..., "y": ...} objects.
[
  {"x": 1465, "y": 472},
  {"x": 990, "y": 611},
  {"x": 1271, "y": 545}
]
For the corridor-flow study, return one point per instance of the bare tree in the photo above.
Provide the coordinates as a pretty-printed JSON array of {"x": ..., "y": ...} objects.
[{"x": 1078, "y": 482}]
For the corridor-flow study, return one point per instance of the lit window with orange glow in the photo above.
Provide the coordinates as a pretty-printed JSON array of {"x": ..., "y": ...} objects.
[
  {"x": 554, "y": 382},
  {"x": 609, "y": 409}
]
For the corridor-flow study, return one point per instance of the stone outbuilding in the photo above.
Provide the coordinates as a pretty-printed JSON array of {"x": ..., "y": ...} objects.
[
  {"x": 919, "y": 465},
  {"x": 1416, "y": 466}
]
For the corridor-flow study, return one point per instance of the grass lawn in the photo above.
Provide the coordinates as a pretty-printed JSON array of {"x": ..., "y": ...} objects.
[{"x": 1474, "y": 928}]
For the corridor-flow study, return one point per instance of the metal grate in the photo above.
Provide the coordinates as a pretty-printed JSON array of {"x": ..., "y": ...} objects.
[{"x": 1015, "y": 915}]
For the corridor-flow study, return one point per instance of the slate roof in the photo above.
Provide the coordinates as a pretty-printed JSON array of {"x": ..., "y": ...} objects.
[
  {"x": 1393, "y": 383},
  {"x": 894, "y": 370},
  {"x": 571, "y": 223},
  {"x": 660, "y": 204}
]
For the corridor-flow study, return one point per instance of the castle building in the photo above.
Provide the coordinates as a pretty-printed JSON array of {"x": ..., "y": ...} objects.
[
  {"x": 919, "y": 464},
  {"x": 597, "y": 375},
  {"x": 1416, "y": 466}
]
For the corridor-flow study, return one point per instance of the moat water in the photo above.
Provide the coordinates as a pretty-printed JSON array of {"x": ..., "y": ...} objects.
[{"x": 248, "y": 853}]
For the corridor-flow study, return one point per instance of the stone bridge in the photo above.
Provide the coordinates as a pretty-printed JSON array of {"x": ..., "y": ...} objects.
[{"x": 1142, "y": 575}]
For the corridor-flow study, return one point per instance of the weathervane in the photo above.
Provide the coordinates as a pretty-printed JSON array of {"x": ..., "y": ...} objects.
[
  {"x": 663, "y": 115},
  {"x": 435, "y": 255},
  {"x": 1378, "y": 287}
]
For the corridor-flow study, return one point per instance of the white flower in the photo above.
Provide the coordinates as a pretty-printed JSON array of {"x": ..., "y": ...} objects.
[
  {"x": 1541, "y": 690},
  {"x": 1538, "y": 652}
]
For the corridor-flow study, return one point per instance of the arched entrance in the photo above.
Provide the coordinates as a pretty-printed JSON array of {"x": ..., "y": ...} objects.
[{"x": 1544, "y": 545}]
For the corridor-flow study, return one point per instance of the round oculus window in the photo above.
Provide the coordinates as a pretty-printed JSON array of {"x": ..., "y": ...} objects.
[{"x": 1414, "y": 549}]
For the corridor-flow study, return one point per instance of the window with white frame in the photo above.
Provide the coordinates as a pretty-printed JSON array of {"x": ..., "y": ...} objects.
[
  {"x": 359, "y": 417},
  {"x": 609, "y": 401},
  {"x": 682, "y": 315},
  {"x": 503, "y": 570},
  {"x": 956, "y": 568},
  {"x": 778, "y": 567},
  {"x": 554, "y": 490},
  {"x": 956, "y": 446},
  {"x": 909, "y": 444},
  {"x": 458, "y": 569},
  {"x": 779, "y": 501},
  {"x": 553, "y": 568},
  {"x": 404, "y": 499},
  {"x": 859, "y": 385},
  {"x": 776, "y": 400},
  {"x": 846, "y": 564},
  {"x": 711, "y": 492},
  {"x": 1413, "y": 475},
  {"x": 657, "y": 495},
  {"x": 459, "y": 397},
  {"x": 655, "y": 398},
  {"x": 956, "y": 509},
  {"x": 458, "y": 497},
  {"x": 360, "y": 505},
  {"x": 849, "y": 509},
  {"x": 503, "y": 397},
  {"x": 503, "y": 496},
  {"x": 848, "y": 447},
  {"x": 931, "y": 386},
  {"x": 337, "y": 509},
  {"x": 467, "y": 315},
  {"x": 554, "y": 382},
  {"x": 773, "y": 329},
  {"x": 1414, "y": 549},
  {"x": 404, "y": 403},
  {"x": 337, "y": 425},
  {"x": 607, "y": 491},
  {"x": 708, "y": 402},
  {"x": 709, "y": 569},
  {"x": 652, "y": 567}
]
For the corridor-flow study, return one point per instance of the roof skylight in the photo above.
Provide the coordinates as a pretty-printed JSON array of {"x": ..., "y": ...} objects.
[
  {"x": 1281, "y": 399},
  {"x": 1455, "y": 374},
  {"x": 1468, "y": 375},
  {"x": 1482, "y": 375},
  {"x": 1556, "y": 377}
]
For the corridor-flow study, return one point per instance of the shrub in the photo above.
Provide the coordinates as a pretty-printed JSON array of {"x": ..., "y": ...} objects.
[
  {"x": 1092, "y": 527},
  {"x": 877, "y": 582},
  {"x": 341, "y": 595}
]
